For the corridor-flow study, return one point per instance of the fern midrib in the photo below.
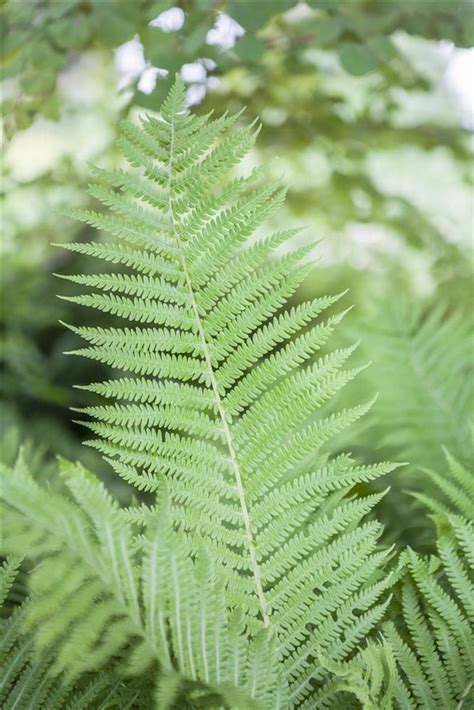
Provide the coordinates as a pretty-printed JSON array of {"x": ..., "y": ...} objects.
[{"x": 218, "y": 400}]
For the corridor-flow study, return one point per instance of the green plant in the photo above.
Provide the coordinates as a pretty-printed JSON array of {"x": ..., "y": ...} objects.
[
  {"x": 454, "y": 490},
  {"x": 248, "y": 572},
  {"x": 124, "y": 601},
  {"x": 359, "y": 33},
  {"x": 426, "y": 656},
  {"x": 27, "y": 675},
  {"x": 430, "y": 400},
  {"x": 422, "y": 366},
  {"x": 435, "y": 646}
]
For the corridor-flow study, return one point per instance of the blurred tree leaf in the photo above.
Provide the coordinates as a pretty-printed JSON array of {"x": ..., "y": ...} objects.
[
  {"x": 357, "y": 59},
  {"x": 67, "y": 35},
  {"x": 111, "y": 27},
  {"x": 326, "y": 29},
  {"x": 250, "y": 48},
  {"x": 253, "y": 15},
  {"x": 358, "y": 31},
  {"x": 383, "y": 48}
]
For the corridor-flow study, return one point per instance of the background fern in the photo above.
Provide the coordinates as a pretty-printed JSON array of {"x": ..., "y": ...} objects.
[
  {"x": 421, "y": 366},
  {"x": 454, "y": 489},
  {"x": 431, "y": 352}
]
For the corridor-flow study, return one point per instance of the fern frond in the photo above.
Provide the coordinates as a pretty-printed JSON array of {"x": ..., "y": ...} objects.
[
  {"x": 8, "y": 573},
  {"x": 28, "y": 679},
  {"x": 98, "y": 598},
  {"x": 423, "y": 373},
  {"x": 454, "y": 490},
  {"x": 223, "y": 392},
  {"x": 371, "y": 677},
  {"x": 434, "y": 644}
]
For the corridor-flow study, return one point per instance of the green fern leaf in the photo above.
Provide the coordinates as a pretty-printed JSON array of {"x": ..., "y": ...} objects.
[
  {"x": 423, "y": 373},
  {"x": 434, "y": 641},
  {"x": 221, "y": 392},
  {"x": 28, "y": 679},
  {"x": 455, "y": 490},
  {"x": 102, "y": 598}
]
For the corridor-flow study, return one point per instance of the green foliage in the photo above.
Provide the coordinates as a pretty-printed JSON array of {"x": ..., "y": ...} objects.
[
  {"x": 421, "y": 366},
  {"x": 370, "y": 677},
  {"x": 430, "y": 401},
  {"x": 60, "y": 28},
  {"x": 28, "y": 679},
  {"x": 210, "y": 302},
  {"x": 249, "y": 572},
  {"x": 324, "y": 125},
  {"x": 359, "y": 31},
  {"x": 26, "y": 369},
  {"x": 454, "y": 490},
  {"x": 433, "y": 641},
  {"x": 102, "y": 597},
  {"x": 425, "y": 659}
]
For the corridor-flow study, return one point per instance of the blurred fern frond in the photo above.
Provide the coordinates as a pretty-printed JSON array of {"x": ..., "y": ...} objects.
[
  {"x": 28, "y": 678},
  {"x": 453, "y": 491},
  {"x": 422, "y": 369}
]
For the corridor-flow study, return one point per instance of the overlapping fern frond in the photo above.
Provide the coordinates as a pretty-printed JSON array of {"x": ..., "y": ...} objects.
[
  {"x": 218, "y": 383},
  {"x": 27, "y": 679},
  {"x": 453, "y": 490},
  {"x": 102, "y": 598},
  {"x": 434, "y": 641},
  {"x": 422, "y": 369},
  {"x": 425, "y": 658},
  {"x": 367, "y": 681}
]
